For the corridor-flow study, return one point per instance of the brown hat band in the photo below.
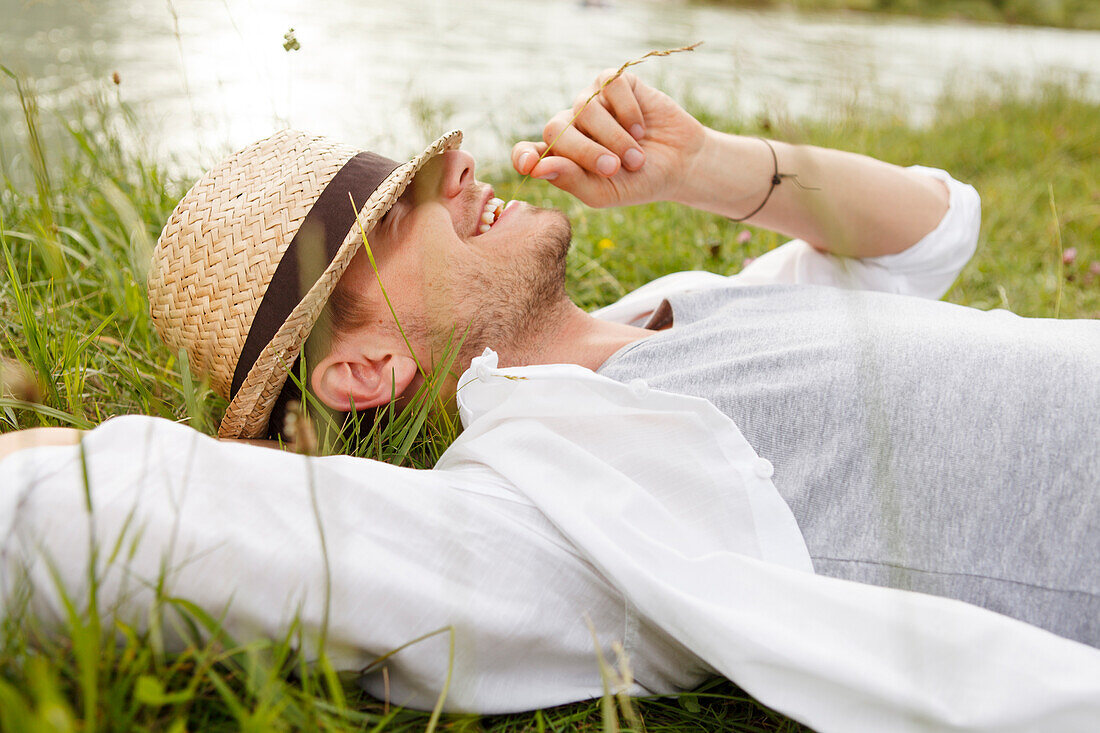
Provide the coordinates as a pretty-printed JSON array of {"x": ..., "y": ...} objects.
[{"x": 311, "y": 251}]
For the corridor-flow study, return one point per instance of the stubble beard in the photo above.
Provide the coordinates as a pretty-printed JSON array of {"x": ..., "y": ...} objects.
[{"x": 510, "y": 305}]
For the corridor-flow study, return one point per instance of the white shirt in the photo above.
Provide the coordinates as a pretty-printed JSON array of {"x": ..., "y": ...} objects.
[{"x": 568, "y": 499}]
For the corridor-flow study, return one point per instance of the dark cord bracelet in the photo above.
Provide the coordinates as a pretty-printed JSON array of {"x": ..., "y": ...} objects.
[{"x": 777, "y": 178}]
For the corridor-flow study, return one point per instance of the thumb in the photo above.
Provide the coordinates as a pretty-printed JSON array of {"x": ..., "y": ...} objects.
[
  {"x": 570, "y": 177},
  {"x": 525, "y": 154}
]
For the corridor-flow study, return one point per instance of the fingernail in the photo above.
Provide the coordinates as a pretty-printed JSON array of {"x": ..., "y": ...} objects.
[
  {"x": 524, "y": 160},
  {"x": 637, "y": 131},
  {"x": 606, "y": 164},
  {"x": 633, "y": 158},
  {"x": 548, "y": 176}
]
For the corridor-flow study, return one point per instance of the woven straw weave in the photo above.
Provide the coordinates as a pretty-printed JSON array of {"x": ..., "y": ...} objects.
[{"x": 221, "y": 246}]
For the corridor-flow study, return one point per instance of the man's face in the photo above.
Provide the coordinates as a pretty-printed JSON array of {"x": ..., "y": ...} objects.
[{"x": 446, "y": 278}]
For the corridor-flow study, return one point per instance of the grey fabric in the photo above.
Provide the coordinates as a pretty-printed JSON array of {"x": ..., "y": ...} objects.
[{"x": 921, "y": 445}]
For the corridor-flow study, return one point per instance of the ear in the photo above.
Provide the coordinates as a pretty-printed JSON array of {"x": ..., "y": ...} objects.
[{"x": 346, "y": 377}]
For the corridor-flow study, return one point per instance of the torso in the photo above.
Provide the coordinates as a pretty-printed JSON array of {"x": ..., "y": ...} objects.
[{"x": 920, "y": 444}]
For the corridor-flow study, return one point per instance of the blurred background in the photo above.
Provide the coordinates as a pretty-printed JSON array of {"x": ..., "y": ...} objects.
[{"x": 206, "y": 76}]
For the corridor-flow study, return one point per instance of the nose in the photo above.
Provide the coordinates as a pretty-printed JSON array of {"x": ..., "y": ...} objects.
[{"x": 458, "y": 172}]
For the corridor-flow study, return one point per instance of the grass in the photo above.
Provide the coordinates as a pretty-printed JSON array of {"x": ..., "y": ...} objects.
[
  {"x": 78, "y": 219},
  {"x": 1081, "y": 14}
]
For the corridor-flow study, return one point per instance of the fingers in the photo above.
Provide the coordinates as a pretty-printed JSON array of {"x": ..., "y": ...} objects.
[
  {"x": 619, "y": 97},
  {"x": 570, "y": 177},
  {"x": 529, "y": 158},
  {"x": 608, "y": 113},
  {"x": 599, "y": 134},
  {"x": 592, "y": 139},
  {"x": 525, "y": 154},
  {"x": 598, "y": 124},
  {"x": 562, "y": 172}
]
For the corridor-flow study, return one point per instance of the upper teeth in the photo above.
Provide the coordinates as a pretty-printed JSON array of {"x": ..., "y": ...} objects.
[{"x": 494, "y": 207}]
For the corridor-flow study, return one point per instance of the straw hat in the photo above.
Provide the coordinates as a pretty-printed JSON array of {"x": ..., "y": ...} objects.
[{"x": 252, "y": 253}]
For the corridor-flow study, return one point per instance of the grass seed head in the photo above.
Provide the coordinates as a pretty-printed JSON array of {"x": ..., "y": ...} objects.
[
  {"x": 18, "y": 382},
  {"x": 298, "y": 429}
]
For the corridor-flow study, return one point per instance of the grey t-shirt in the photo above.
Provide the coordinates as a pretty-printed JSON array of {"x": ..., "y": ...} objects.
[{"x": 921, "y": 445}]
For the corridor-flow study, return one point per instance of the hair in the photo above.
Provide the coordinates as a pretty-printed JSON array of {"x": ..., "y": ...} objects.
[{"x": 344, "y": 313}]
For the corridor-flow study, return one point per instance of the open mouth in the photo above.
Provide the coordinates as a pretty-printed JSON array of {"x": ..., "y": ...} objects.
[{"x": 494, "y": 207}]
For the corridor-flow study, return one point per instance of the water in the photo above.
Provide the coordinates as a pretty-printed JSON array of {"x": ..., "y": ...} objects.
[{"x": 208, "y": 75}]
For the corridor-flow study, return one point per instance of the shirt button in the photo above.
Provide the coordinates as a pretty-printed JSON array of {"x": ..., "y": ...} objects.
[
  {"x": 763, "y": 467},
  {"x": 639, "y": 387}
]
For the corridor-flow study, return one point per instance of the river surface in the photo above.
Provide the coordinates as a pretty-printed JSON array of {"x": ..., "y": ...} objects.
[{"x": 205, "y": 76}]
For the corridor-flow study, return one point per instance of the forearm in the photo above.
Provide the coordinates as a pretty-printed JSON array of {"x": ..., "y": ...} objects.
[
  {"x": 35, "y": 437},
  {"x": 843, "y": 203}
]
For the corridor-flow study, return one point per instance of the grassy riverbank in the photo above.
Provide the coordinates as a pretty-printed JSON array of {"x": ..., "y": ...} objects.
[
  {"x": 1082, "y": 14},
  {"x": 77, "y": 221}
]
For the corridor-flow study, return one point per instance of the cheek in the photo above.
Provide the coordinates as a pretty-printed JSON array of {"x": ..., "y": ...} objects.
[{"x": 435, "y": 268}]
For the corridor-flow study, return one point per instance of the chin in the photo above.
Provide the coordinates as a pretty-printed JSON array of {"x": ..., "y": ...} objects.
[
  {"x": 557, "y": 234},
  {"x": 505, "y": 303}
]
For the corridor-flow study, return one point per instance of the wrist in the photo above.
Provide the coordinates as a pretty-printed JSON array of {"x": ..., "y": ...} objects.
[{"x": 729, "y": 175}]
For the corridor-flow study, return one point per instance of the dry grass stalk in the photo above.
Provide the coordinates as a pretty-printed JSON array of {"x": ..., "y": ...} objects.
[{"x": 613, "y": 77}]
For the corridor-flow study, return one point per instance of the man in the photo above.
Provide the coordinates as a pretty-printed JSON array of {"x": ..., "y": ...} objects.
[
  {"x": 854, "y": 400},
  {"x": 868, "y": 406}
]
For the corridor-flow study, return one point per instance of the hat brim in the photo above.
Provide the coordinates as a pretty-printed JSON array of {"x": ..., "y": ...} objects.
[{"x": 250, "y": 409}]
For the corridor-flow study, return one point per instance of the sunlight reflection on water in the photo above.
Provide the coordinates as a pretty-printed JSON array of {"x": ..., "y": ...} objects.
[{"x": 214, "y": 75}]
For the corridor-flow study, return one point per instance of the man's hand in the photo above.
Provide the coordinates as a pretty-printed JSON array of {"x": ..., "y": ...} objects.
[{"x": 631, "y": 144}]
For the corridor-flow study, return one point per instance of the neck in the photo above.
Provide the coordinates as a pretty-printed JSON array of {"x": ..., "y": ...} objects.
[
  {"x": 566, "y": 335},
  {"x": 571, "y": 336}
]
